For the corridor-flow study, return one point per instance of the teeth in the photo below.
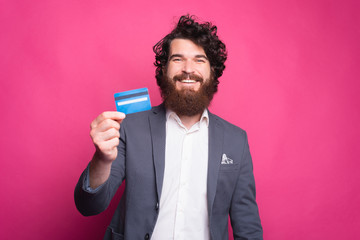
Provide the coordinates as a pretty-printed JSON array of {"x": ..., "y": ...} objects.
[{"x": 188, "y": 81}]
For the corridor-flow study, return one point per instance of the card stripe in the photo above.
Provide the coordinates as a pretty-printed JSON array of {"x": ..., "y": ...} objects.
[{"x": 132, "y": 101}]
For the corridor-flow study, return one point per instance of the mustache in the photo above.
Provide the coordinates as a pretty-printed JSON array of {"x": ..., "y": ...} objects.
[{"x": 184, "y": 76}]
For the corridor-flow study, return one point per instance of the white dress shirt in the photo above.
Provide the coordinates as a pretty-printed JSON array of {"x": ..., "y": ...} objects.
[{"x": 183, "y": 212}]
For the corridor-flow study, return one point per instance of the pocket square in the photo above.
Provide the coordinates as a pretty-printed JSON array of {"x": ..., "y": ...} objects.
[{"x": 226, "y": 160}]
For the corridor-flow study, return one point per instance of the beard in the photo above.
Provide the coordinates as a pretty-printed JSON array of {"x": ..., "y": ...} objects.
[{"x": 187, "y": 102}]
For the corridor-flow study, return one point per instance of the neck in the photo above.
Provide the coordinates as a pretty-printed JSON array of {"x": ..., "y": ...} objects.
[{"x": 189, "y": 121}]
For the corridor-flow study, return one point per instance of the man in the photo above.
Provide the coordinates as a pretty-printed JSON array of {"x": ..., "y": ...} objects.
[{"x": 186, "y": 169}]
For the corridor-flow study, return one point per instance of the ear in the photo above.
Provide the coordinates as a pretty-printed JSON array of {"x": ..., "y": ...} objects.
[{"x": 164, "y": 69}]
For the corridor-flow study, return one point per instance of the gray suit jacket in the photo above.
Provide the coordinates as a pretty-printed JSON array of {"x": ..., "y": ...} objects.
[{"x": 141, "y": 162}]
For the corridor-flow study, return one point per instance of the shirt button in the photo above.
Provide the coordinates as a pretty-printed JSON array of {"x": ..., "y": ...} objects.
[{"x": 147, "y": 236}]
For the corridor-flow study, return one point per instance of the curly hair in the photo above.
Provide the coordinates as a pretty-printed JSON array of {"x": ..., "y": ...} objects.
[{"x": 202, "y": 34}]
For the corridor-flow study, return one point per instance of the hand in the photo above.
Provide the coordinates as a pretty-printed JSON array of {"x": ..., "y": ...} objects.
[{"x": 105, "y": 135}]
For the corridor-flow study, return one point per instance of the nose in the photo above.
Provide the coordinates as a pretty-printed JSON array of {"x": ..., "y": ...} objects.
[{"x": 188, "y": 67}]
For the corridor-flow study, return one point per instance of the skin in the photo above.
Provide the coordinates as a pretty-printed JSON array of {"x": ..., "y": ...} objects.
[
  {"x": 105, "y": 136},
  {"x": 185, "y": 57}
]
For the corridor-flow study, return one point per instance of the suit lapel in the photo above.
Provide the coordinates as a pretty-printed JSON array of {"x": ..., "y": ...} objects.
[
  {"x": 157, "y": 123},
  {"x": 216, "y": 136}
]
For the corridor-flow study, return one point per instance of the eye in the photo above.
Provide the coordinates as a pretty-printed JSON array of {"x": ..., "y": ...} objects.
[
  {"x": 176, "y": 59},
  {"x": 200, "y": 60}
]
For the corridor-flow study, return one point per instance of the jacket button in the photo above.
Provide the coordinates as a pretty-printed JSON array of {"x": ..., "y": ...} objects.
[
  {"x": 157, "y": 206},
  {"x": 147, "y": 236}
]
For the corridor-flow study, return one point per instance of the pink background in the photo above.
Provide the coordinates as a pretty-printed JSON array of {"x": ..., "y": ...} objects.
[{"x": 292, "y": 82}]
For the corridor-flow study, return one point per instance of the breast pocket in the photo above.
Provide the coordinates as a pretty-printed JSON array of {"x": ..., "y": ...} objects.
[{"x": 229, "y": 167}]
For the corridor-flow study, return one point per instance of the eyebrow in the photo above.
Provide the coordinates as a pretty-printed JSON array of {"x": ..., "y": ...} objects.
[
  {"x": 201, "y": 56},
  {"x": 181, "y": 55},
  {"x": 175, "y": 55}
]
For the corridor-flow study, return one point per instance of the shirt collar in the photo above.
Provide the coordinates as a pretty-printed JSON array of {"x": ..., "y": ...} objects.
[{"x": 204, "y": 116}]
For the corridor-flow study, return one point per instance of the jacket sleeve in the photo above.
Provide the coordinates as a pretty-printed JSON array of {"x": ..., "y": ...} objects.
[
  {"x": 244, "y": 213},
  {"x": 90, "y": 202}
]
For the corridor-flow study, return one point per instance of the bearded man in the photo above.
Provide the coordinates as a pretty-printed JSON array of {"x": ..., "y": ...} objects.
[{"x": 186, "y": 169}]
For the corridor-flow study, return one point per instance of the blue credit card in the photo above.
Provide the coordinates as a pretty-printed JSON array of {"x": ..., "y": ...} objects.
[{"x": 133, "y": 101}]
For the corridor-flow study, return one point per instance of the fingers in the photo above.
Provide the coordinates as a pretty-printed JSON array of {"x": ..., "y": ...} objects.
[
  {"x": 112, "y": 115},
  {"x": 100, "y": 136},
  {"x": 105, "y": 134},
  {"x": 109, "y": 148},
  {"x": 107, "y": 124}
]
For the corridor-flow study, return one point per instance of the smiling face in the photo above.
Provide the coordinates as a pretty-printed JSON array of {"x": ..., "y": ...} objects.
[
  {"x": 188, "y": 66},
  {"x": 187, "y": 86}
]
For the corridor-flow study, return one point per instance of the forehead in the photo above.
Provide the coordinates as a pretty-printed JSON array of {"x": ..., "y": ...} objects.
[{"x": 185, "y": 47}]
